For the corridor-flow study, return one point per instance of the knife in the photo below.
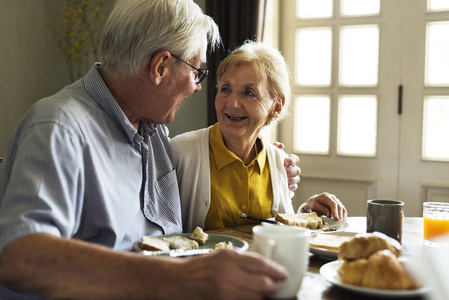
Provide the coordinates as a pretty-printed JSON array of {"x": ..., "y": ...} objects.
[
  {"x": 177, "y": 253},
  {"x": 245, "y": 216}
]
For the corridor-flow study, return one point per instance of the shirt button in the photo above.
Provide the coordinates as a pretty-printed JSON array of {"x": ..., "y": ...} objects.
[
  {"x": 243, "y": 206},
  {"x": 243, "y": 178}
]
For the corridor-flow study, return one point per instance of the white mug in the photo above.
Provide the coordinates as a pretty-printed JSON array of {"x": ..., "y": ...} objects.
[{"x": 288, "y": 246}]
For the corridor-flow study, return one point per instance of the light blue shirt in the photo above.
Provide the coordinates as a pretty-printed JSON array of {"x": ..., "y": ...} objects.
[{"x": 76, "y": 167}]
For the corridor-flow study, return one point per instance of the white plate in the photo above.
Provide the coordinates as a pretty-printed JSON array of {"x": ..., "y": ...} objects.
[
  {"x": 327, "y": 221},
  {"x": 237, "y": 244},
  {"x": 326, "y": 253},
  {"x": 329, "y": 272}
]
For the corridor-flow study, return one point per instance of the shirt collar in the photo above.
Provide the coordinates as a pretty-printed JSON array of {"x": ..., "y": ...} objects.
[
  {"x": 98, "y": 90},
  {"x": 224, "y": 156}
]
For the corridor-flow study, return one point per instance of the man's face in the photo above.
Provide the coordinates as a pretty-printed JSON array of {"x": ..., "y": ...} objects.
[{"x": 177, "y": 86}]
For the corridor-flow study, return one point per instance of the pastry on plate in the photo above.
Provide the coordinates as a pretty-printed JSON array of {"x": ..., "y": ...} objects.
[
  {"x": 199, "y": 235},
  {"x": 373, "y": 260},
  {"x": 363, "y": 245},
  {"x": 223, "y": 245},
  {"x": 382, "y": 270},
  {"x": 181, "y": 243},
  {"x": 154, "y": 244},
  {"x": 329, "y": 241}
]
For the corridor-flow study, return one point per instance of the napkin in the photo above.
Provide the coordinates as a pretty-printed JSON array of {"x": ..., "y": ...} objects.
[{"x": 431, "y": 266}]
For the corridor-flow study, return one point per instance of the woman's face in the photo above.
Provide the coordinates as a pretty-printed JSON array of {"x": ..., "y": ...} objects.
[{"x": 243, "y": 103}]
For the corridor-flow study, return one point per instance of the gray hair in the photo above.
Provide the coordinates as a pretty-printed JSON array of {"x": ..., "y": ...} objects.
[
  {"x": 268, "y": 62},
  {"x": 137, "y": 29}
]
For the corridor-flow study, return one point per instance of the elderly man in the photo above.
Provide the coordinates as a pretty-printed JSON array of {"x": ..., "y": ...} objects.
[{"x": 88, "y": 171}]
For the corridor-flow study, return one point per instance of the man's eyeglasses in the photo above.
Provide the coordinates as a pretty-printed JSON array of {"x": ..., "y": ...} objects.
[{"x": 200, "y": 74}]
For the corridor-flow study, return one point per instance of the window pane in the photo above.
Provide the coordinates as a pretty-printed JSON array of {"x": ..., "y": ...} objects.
[
  {"x": 357, "y": 125},
  {"x": 312, "y": 136},
  {"x": 359, "y": 55},
  {"x": 360, "y": 8},
  {"x": 437, "y": 49},
  {"x": 436, "y": 5},
  {"x": 307, "y": 9},
  {"x": 313, "y": 56},
  {"x": 436, "y": 128}
]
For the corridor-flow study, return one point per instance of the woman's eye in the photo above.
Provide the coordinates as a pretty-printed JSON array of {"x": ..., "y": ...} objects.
[
  {"x": 250, "y": 93},
  {"x": 224, "y": 89}
]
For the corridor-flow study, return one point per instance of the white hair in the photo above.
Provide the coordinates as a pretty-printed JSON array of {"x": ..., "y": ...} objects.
[{"x": 137, "y": 29}]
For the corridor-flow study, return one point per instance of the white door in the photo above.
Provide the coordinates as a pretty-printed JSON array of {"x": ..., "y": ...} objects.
[
  {"x": 424, "y": 132},
  {"x": 350, "y": 61}
]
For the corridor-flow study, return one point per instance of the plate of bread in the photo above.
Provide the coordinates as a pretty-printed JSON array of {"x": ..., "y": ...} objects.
[
  {"x": 326, "y": 244},
  {"x": 310, "y": 221},
  {"x": 196, "y": 240},
  {"x": 372, "y": 264}
]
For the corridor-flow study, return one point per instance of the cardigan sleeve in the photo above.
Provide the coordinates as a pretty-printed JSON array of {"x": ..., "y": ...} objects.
[
  {"x": 282, "y": 202},
  {"x": 191, "y": 160}
]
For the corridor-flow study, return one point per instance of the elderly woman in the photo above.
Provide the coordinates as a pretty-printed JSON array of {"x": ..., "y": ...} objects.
[{"x": 228, "y": 169}]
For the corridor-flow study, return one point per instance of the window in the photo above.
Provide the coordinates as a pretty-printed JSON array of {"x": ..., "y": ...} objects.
[
  {"x": 370, "y": 109},
  {"x": 357, "y": 66}
]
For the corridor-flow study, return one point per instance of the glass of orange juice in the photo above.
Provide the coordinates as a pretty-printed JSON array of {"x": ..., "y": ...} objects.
[{"x": 436, "y": 223}]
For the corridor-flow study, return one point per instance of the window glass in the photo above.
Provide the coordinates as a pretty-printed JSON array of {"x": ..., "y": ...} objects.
[
  {"x": 359, "y": 55},
  {"x": 311, "y": 126},
  {"x": 360, "y": 8},
  {"x": 313, "y": 56},
  {"x": 437, "y": 54},
  {"x": 438, "y": 5},
  {"x": 357, "y": 125},
  {"x": 307, "y": 9},
  {"x": 436, "y": 128}
]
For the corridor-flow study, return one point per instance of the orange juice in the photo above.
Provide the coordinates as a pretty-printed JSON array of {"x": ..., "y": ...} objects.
[{"x": 435, "y": 227}]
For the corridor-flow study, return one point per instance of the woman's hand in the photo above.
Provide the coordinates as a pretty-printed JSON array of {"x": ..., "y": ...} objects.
[{"x": 326, "y": 204}]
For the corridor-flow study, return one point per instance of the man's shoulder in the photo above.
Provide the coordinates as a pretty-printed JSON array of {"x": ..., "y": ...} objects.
[{"x": 62, "y": 107}]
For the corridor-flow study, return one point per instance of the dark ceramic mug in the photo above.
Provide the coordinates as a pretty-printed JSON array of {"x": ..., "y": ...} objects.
[{"x": 385, "y": 216}]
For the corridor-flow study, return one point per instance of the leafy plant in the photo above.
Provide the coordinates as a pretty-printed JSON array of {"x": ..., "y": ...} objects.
[{"x": 78, "y": 34}]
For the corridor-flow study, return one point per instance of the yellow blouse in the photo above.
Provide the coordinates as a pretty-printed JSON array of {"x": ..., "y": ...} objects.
[{"x": 236, "y": 188}]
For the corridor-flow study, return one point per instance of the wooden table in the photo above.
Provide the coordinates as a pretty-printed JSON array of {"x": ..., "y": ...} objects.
[{"x": 314, "y": 286}]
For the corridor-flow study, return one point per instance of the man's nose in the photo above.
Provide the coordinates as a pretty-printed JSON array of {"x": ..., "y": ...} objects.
[{"x": 198, "y": 87}]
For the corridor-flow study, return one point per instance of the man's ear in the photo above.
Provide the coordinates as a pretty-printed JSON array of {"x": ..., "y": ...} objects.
[{"x": 158, "y": 66}]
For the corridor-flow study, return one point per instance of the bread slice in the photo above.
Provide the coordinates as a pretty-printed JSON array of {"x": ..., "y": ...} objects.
[
  {"x": 329, "y": 241},
  {"x": 308, "y": 220},
  {"x": 181, "y": 243},
  {"x": 154, "y": 244},
  {"x": 199, "y": 235}
]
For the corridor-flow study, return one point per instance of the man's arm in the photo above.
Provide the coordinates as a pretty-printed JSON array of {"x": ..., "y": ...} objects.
[
  {"x": 293, "y": 171},
  {"x": 290, "y": 165},
  {"x": 54, "y": 267}
]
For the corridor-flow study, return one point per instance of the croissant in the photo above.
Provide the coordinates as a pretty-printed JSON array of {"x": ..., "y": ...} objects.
[
  {"x": 365, "y": 244},
  {"x": 385, "y": 271},
  {"x": 372, "y": 260},
  {"x": 381, "y": 271}
]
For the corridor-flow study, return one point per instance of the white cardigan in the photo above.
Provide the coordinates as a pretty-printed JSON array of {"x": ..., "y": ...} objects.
[{"x": 191, "y": 159}]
